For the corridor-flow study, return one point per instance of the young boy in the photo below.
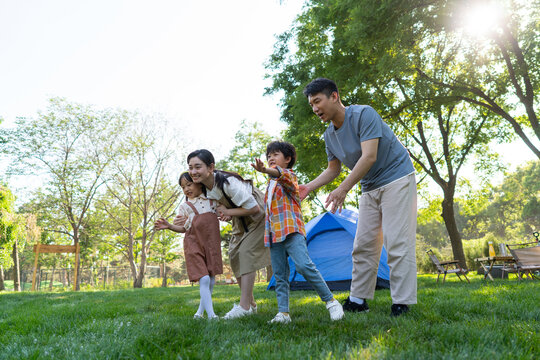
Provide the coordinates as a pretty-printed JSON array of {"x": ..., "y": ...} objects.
[{"x": 285, "y": 233}]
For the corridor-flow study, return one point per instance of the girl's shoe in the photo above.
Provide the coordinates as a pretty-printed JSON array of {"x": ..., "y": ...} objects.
[
  {"x": 254, "y": 309},
  {"x": 280, "y": 318}
]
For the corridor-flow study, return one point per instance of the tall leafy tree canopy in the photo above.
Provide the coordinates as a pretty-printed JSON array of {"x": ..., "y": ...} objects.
[
  {"x": 403, "y": 54},
  {"x": 446, "y": 92}
]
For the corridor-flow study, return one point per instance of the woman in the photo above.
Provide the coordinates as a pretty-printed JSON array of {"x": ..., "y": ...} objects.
[{"x": 243, "y": 203}]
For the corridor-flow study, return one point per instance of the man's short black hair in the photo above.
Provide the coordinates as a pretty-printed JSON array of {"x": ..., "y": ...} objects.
[
  {"x": 287, "y": 149},
  {"x": 320, "y": 85}
]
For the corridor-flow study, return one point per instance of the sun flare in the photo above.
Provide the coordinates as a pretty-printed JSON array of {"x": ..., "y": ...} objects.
[{"x": 482, "y": 17}]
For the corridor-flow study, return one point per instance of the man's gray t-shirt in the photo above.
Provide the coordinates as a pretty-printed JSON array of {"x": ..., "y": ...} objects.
[{"x": 363, "y": 123}]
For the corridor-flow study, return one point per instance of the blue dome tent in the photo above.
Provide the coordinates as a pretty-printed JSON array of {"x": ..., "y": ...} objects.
[{"x": 330, "y": 241}]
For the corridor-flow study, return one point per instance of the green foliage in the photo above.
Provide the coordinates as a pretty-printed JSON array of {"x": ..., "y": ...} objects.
[
  {"x": 494, "y": 320},
  {"x": 12, "y": 226},
  {"x": 250, "y": 144},
  {"x": 509, "y": 211},
  {"x": 442, "y": 91}
]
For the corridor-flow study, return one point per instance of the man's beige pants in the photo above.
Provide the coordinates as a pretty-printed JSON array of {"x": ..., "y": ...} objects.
[{"x": 387, "y": 215}]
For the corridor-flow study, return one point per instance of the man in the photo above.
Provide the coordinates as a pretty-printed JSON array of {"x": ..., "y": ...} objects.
[{"x": 358, "y": 138}]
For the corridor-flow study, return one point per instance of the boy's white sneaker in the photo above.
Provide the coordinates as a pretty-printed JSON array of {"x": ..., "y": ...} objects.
[
  {"x": 280, "y": 318},
  {"x": 335, "y": 309},
  {"x": 236, "y": 312}
]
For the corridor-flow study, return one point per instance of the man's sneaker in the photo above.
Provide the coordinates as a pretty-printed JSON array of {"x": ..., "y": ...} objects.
[
  {"x": 349, "y": 305},
  {"x": 236, "y": 312},
  {"x": 254, "y": 309},
  {"x": 399, "y": 309},
  {"x": 335, "y": 309},
  {"x": 197, "y": 316},
  {"x": 215, "y": 317},
  {"x": 280, "y": 318}
]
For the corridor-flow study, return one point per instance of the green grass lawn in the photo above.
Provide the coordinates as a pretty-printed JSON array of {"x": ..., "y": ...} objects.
[{"x": 481, "y": 320}]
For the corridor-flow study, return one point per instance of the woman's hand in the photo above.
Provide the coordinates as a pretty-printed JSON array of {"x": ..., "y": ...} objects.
[
  {"x": 222, "y": 212},
  {"x": 180, "y": 220},
  {"x": 225, "y": 218}
]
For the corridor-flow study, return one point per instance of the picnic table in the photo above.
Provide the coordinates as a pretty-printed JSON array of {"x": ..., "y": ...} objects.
[{"x": 488, "y": 263}]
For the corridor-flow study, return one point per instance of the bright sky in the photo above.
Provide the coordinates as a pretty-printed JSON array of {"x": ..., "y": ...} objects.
[{"x": 199, "y": 62}]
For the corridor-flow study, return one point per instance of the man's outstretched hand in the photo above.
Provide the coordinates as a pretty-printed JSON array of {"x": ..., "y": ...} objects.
[
  {"x": 304, "y": 191},
  {"x": 335, "y": 200}
]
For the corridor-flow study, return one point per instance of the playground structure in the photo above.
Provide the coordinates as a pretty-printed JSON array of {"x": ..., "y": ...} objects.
[{"x": 56, "y": 249}]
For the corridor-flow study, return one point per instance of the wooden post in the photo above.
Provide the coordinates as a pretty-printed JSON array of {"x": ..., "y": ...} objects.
[
  {"x": 56, "y": 249},
  {"x": 76, "y": 267},
  {"x": 35, "y": 267}
]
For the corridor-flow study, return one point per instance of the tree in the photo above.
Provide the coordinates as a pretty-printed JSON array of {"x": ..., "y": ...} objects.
[
  {"x": 16, "y": 230},
  {"x": 10, "y": 231},
  {"x": 250, "y": 143},
  {"x": 374, "y": 50},
  {"x": 72, "y": 144},
  {"x": 139, "y": 192},
  {"x": 164, "y": 252},
  {"x": 510, "y": 211}
]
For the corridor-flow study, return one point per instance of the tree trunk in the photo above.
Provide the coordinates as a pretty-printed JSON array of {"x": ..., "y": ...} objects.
[
  {"x": 138, "y": 281},
  {"x": 269, "y": 273},
  {"x": 448, "y": 215},
  {"x": 106, "y": 278},
  {"x": 52, "y": 279},
  {"x": 2, "y": 285},
  {"x": 164, "y": 274},
  {"x": 64, "y": 278},
  {"x": 131, "y": 261},
  {"x": 16, "y": 269},
  {"x": 78, "y": 265}
]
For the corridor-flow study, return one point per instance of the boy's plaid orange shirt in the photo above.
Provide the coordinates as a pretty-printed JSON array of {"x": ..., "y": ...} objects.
[{"x": 284, "y": 216}]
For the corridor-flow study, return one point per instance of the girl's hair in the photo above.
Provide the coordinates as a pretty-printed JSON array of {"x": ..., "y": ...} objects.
[
  {"x": 221, "y": 176},
  {"x": 185, "y": 175}
]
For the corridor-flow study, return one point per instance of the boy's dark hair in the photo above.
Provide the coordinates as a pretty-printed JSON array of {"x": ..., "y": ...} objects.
[
  {"x": 320, "y": 85},
  {"x": 287, "y": 149}
]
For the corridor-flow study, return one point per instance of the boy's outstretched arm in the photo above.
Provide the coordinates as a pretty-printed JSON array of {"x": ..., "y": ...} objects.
[{"x": 259, "y": 166}]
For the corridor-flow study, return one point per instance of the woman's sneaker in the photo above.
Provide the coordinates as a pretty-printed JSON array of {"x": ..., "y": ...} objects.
[
  {"x": 254, "y": 309},
  {"x": 335, "y": 309},
  {"x": 280, "y": 318},
  {"x": 349, "y": 305},
  {"x": 236, "y": 312}
]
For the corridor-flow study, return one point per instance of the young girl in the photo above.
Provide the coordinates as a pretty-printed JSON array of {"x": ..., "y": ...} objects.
[
  {"x": 202, "y": 242},
  {"x": 244, "y": 204}
]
